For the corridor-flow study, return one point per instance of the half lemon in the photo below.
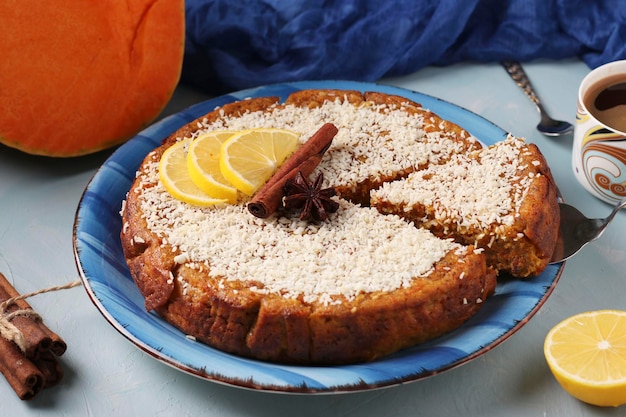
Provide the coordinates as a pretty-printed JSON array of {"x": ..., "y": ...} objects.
[{"x": 587, "y": 355}]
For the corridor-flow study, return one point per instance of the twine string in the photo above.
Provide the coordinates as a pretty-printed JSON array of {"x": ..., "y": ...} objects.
[{"x": 8, "y": 330}]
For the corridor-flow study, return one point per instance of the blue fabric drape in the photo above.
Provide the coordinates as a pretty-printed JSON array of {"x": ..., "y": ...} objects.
[{"x": 231, "y": 45}]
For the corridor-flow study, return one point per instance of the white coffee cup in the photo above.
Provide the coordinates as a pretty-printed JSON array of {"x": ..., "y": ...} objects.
[{"x": 599, "y": 150}]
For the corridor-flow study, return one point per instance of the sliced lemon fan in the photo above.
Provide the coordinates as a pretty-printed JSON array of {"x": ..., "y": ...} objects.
[
  {"x": 203, "y": 163},
  {"x": 587, "y": 355},
  {"x": 175, "y": 177},
  {"x": 250, "y": 157}
]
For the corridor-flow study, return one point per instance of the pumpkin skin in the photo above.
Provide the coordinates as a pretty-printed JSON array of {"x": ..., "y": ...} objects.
[{"x": 79, "y": 76}]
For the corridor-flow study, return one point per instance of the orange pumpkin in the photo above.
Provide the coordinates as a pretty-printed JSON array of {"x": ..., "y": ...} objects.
[{"x": 79, "y": 76}]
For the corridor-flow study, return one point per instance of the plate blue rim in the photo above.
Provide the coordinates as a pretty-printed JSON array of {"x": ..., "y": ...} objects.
[{"x": 105, "y": 276}]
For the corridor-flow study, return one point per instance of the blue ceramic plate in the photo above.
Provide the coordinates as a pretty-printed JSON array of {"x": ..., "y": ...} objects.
[{"x": 104, "y": 273}]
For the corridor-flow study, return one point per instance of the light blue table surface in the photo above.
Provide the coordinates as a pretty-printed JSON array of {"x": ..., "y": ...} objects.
[{"x": 106, "y": 375}]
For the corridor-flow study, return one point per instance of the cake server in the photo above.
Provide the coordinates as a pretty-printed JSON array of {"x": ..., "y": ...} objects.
[{"x": 576, "y": 230}]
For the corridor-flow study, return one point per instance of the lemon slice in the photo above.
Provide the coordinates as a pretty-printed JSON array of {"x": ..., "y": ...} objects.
[
  {"x": 203, "y": 163},
  {"x": 250, "y": 157},
  {"x": 175, "y": 177},
  {"x": 587, "y": 355}
]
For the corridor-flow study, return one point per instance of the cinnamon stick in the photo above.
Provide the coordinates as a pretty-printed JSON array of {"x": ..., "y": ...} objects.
[
  {"x": 58, "y": 345},
  {"x": 32, "y": 365},
  {"x": 305, "y": 159},
  {"x": 23, "y": 376},
  {"x": 37, "y": 336}
]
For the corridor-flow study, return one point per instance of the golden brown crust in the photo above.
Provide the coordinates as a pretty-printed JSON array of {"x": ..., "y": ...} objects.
[
  {"x": 315, "y": 98},
  {"x": 274, "y": 328},
  {"x": 149, "y": 263},
  {"x": 540, "y": 211},
  {"x": 230, "y": 316}
]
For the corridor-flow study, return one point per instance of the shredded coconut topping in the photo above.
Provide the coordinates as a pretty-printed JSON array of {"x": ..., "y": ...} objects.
[
  {"x": 358, "y": 250},
  {"x": 373, "y": 141}
]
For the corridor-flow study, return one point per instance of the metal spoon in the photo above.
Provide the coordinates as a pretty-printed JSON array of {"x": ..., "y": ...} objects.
[
  {"x": 548, "y": 126},
  {"x": 576, "y": 230}
]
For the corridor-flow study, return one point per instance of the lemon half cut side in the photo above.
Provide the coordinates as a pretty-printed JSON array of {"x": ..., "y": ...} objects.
[{"x": 587, "y": 355}]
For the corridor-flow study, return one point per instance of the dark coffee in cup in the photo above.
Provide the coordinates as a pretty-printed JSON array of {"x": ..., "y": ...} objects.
[
  {"x": 606, "y": 101},
  {"x": 599, "y": 146}
]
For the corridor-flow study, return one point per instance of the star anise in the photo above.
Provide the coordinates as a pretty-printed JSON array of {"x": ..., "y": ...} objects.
[{"x": 314, "y": 201}]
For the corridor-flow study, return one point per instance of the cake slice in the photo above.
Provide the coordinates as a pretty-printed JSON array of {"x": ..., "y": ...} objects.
[{"x": 502, "y": 199}]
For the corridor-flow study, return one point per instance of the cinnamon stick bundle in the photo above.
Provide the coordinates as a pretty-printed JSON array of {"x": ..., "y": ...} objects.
[
  {"x": 305, "y": 159},
  {"x": 28, "y": 359}
]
